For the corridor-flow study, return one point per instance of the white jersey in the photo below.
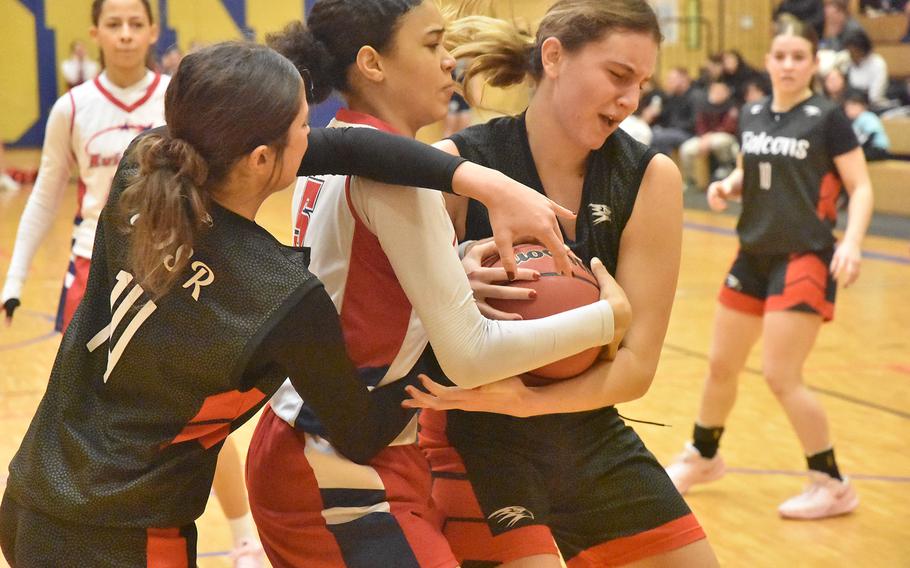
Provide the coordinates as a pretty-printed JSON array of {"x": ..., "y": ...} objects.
[
  {"x": 89, "y": 128},
  {"x": 387, "y": 258}
]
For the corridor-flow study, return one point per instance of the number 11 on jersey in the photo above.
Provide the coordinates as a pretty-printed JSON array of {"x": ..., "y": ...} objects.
[{"x": 764, "y": 175}]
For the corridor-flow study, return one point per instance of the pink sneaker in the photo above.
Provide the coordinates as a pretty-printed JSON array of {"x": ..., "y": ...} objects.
[
  {"x": 690, "y": 468},
  {"x": 825, "y": 496},
  {"x": 247, "y": 554}
]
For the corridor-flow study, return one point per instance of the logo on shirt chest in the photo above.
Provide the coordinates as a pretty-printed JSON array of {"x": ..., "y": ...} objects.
[
  {"x": 105, "y": 148},
  {"x": 600, "y": 213}
]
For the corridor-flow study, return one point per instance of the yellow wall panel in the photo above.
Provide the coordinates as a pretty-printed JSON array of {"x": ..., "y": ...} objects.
[
  {"x": 201, "y": 21},
  {"x": 19, "y": 107},
  {"x": 272, "y": 16}
]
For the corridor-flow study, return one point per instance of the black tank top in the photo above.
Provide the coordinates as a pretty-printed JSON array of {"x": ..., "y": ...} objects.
[{"x": 611, "y": 183}]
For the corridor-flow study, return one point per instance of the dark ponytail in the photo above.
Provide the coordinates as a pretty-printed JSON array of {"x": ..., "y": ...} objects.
[{"x": 222, "y": 103}]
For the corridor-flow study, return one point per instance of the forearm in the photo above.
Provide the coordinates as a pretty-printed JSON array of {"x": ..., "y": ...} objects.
[
  {"x": 859, "y": 213},
  {"x": 606, "y": 383}
]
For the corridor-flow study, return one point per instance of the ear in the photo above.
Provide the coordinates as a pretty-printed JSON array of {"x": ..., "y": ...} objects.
[
  {"x": 259, "y": 161},
  {"x": 369, "y": 64},
  {"x": 93, "y": 33},
  {"x": 551, "y": 54},
  {"x": 155, "y": 32}
]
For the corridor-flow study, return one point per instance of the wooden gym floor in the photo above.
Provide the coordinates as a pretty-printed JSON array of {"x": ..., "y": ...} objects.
[{"x": 860, "y": 369}]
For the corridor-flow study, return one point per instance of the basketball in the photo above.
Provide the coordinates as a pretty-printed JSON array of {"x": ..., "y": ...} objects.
[{"x": 555, "y": 293}]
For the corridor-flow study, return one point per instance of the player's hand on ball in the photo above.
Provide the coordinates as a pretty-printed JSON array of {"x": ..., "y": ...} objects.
[
  {"x": 9, "y": 307},
  {"x": 611, "y": 291},
  {"x": 484, "y": 281},
  {"x": 508, "y": 396}
]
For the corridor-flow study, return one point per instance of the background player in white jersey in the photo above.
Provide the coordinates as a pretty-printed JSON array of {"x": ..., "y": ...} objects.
[
  {"x": 798, "y": 150},
  {"x": 581, "y": 483},
  {"x": 387, "y": 258}
]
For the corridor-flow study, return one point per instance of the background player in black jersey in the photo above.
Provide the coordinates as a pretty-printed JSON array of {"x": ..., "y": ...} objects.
[
  {"x": 797, "y": 150},
  {"x": 194, "y": 315},
  {"x": 511, "y": 487}
]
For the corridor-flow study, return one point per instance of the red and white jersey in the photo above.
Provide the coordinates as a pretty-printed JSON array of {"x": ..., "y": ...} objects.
[
  {"x": 88, "y": 129},
  {"x": 387, "y": 258}
]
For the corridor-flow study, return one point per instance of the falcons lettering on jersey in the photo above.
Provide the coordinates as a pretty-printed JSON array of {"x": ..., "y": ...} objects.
[
  {"x": 307, "y": 205},
  {"x": 764, "y": 144}
]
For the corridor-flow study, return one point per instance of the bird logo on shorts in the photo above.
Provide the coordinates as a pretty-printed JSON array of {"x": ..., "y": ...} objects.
[
  {"x": 600, "y": 213},
  {"x": 511, "y": 515}
]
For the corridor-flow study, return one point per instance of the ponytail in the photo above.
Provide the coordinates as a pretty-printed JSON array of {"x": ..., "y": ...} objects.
[
  {"x": 165, "y": 208},
  {"x": 497, "y": 50}
]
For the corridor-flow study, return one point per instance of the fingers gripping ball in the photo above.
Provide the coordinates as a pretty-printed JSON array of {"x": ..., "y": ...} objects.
[{"x": 555, "y": 294}]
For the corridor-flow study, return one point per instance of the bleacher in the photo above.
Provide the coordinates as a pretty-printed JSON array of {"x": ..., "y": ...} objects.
[{"x": 891, "y": 178}]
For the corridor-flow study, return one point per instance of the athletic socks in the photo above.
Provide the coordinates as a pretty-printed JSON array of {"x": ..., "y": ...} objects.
[
  {"x": 706, "y": 440},
  {"x": 825, "y": 463}
]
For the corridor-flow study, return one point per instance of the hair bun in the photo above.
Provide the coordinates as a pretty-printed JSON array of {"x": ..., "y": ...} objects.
[
  {"x": 298, "y": 44},
  {"x": 164, "y": 152}
]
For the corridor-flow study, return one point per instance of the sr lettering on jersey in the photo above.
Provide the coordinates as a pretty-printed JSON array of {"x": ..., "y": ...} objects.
[{"x": 762, "y": 144}]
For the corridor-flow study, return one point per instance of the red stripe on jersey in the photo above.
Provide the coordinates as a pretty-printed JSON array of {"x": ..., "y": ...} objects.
[
  {"x": 827, "y": 197},
  {"x": 212, "y": 423},
  {"x": 375, "y": 312},
  {"x": 806, "y": 282},
  {"x": 165, "y": 548},
  {"x": 628, "y": 549},
  {"x": 129, "y": 108},
  {"x": 354, "y": 117},
  {"x": 740, "y": 302}
]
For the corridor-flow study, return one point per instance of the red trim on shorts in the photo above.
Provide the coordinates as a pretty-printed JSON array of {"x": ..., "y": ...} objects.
[
  {"x": 741, "y": 302},
  {"x": 828, "y": 191},
  {"x": 628, "y": 549},
  {"x": 76, "y": 290},
  {"x": 466, "y": 526},
  {"x": 165, "y": 548},
  {"x": 129, "y": 108},
  {"x": 806, "y": 282}
]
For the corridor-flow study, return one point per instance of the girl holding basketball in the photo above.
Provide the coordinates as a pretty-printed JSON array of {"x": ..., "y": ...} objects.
[
  {"x": 798, "y": 149},
  {"x": 579, "y": 484},
  {"x": 388, "y": 261}
]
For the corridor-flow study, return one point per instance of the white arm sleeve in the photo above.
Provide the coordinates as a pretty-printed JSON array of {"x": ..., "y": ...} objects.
[
  {"x": 57, "y": 161},
  {"x": 417, "y": 236}
]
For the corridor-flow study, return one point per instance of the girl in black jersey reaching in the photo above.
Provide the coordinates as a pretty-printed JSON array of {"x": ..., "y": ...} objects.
[
  {"x": 194, "y": 315},
  {"x": 797, "y": 151},
  {"x": 515, "y": 489}
]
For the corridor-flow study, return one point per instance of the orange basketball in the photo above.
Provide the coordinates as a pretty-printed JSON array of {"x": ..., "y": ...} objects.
[{"x": 555, "y": 294}]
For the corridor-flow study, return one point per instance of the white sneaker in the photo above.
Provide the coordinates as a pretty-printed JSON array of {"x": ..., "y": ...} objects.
[
  {"x": 690, "y": 468},
  {"x": 825, "y": 496},
  {"x": 9, "y": 184},
  {"x": 247, "y": 554}
]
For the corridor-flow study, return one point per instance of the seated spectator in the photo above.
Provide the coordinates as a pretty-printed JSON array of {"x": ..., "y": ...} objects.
[
  {"x": 79, "y": 67},
  {"x": 867, "y": 71},
  {"x": 757, "y": 88},
  {"x": 736, "y": 72},
  {"x": 838, "y": 24},
  {"x": 811, "y": 12},
  {"x": 676, "y": 122},
  {"x": 715, "y": 134},
  {"x": 171, "y": 60},
  {"x": 834, "y": 85},
  {"x": 868, "y": 126}
]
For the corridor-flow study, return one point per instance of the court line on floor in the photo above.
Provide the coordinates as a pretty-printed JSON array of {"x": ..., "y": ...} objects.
[
  {"x": 820, "y": 390},
  {"x": 33, "y": 340},
  {"x": 869, "y": 254},
  {"x": 802, "y": 473}
]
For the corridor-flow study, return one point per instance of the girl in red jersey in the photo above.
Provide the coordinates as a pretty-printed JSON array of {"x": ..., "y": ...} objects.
[{"x": 797, "y": 150}]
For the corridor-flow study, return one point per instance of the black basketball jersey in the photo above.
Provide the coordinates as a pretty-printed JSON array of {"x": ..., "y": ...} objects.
[
  {"x": 790, "y": 183},
  {"x": 612, "y": 179},
  {"x": 142, "y": 392}
]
